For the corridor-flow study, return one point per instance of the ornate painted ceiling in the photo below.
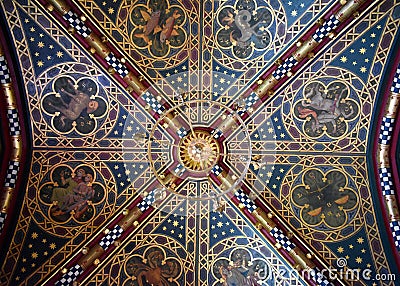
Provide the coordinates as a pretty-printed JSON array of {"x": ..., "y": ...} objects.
[{"x": 174, "y": 142}]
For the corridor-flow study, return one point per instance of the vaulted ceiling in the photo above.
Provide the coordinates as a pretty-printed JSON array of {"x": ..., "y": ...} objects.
[{"x": 174, "y": 142}]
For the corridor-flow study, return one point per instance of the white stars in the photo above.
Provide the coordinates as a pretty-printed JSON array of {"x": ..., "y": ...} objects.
[
  {"x": 293, "y": 13},
  {"x": 363, "y": 50}
]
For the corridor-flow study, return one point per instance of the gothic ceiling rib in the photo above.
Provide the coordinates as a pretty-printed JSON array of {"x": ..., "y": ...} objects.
[{"x": 237, "y": 142}]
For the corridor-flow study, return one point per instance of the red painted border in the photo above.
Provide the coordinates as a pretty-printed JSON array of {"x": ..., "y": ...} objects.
[
  {"x": 386, "y": 94},
  {"x": 392, "y": 158},
  {"x": 19, "y": 98}
]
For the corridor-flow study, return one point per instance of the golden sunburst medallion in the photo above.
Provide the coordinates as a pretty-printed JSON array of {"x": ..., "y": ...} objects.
[{"x": 198, "y": 151}]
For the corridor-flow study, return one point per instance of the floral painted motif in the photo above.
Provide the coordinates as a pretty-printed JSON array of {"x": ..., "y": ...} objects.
[
  {"x": 153, "y": 268},
  {"x": 326, "y": 109},
  {"x": 324, "y": 199},
  {"x": 244, "y": 27},
  {"x": 158, "y": 27},
  {"x": 71, "y": 194},
  {"x": 74, "y": 105}
]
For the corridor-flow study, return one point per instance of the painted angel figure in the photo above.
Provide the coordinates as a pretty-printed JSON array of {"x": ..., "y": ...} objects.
[{"x": 79, "y": 101}]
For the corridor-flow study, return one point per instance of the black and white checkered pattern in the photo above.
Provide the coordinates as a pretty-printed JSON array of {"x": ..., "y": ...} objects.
[
  {"x": 154, "y": 104},
  {"x": 78, "y": 25},
  {"x": 319, "y": 278},
  {"x": 4, "y": 71},
  {"x": 117, "y": 65},
  {"x": 284, "y": 68},
  {"x": 70, "y": 276},
  {"x": 282, "y": 239},
  {"x": 3, "y": 217},
  {"x": 396, "y": 81},
  {"x": 216, "y": 170},
  {"x": 181, "y": 132},
  {"x": 385, "y": 134},
  {"x": 245, "y": 200},
  {"x": 249, "y": 102},
  {"x": 324, "y": 30},
  {"x": 179, "y": 170},
  {"x": 385, "y": 176},
  {"x": 13, "y": 122},
  {"x": 217, "y": 133},
  {"x": 395, "y": 227},
  {"x": 146, "y": 202},
  {"x": 12, "y": 174},
  {"x": 111, "y": 237}
]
